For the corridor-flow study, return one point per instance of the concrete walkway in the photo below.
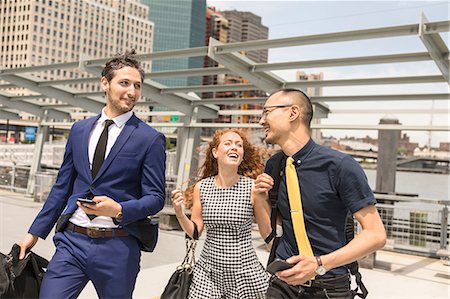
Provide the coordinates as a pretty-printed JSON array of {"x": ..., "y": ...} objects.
[{"x": 395, "y": 275}]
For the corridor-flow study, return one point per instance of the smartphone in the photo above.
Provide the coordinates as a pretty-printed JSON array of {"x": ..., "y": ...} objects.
[
  {"x": 278, "y": 265},
  {"x": 87, "y": 201}
]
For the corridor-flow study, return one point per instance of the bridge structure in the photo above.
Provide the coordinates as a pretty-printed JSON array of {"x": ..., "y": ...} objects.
[{"x": 199, "y": 112}]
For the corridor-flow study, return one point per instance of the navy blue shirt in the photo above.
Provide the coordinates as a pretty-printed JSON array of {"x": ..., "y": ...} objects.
[{"x": 331, "y": 184}]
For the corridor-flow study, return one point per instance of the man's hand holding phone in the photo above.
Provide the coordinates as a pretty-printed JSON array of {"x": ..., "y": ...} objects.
[
  {"x": 100, "y": 206},
  {"x": 86, "y": 201},
  {"x": 278, "y": 265}
]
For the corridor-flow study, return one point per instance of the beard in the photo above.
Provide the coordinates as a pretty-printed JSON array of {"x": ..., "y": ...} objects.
[{"x": 119, "y": 106}]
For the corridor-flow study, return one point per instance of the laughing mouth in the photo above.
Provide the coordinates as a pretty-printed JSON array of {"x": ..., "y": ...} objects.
[{"x": 233, "y": 155}]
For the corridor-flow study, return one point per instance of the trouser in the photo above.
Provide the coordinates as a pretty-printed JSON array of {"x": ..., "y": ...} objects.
[
  {"x": 327, "y": 288},
  {"x": 112, "y": 264}
]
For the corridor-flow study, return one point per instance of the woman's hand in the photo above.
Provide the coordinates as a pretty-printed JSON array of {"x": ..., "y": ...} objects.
[{"x": 177, "y": 201}]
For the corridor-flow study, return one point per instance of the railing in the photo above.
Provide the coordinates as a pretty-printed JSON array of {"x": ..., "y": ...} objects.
[
  {"x": 14, "y": 177},
  {"x": 415, "y": 224}
]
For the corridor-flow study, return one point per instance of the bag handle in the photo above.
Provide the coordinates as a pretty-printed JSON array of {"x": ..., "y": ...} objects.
[{"x": 189, "y": 259}]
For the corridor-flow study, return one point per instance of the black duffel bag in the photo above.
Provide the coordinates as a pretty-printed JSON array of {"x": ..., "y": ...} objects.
[{"x": 21, "y": 278}]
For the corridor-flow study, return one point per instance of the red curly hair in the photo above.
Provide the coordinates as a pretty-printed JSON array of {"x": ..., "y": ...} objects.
[{"x": 251, "y": 166}]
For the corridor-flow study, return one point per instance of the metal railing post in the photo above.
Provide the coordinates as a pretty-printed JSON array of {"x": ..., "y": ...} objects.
[
  {"x": 444, "y": 223},
  {"x": 13, "y": 176}
]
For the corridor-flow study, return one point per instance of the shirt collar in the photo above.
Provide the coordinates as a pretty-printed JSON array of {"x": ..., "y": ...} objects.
[
  {"x": 119, "y": 121},
  {"x": 303, "y": 152}
]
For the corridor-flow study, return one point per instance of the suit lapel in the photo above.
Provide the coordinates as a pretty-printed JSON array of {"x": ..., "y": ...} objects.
[
  {"x": 129, "y": 127},
  {"x": 85, "y": 145}
]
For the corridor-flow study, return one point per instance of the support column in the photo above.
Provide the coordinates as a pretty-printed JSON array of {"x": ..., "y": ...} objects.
[
  {"x": 188, "y": 140},
  {"x": 387, "y": 157},
  {"x": 37, "y": 156}
]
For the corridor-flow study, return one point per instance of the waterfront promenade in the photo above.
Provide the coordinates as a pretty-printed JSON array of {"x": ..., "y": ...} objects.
[{"x": 395, "y": 275}]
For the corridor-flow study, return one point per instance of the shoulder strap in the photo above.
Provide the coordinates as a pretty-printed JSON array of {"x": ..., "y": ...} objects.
[
  {"x": 276, "y": 174},
  {"x": 354, "y": 267},
  {"x": 273, "y": 193}
]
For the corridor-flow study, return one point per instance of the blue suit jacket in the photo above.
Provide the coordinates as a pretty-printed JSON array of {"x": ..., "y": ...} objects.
[{"x": 133, "y": 174}]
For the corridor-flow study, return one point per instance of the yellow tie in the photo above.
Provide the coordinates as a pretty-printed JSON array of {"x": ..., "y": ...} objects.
[{"x": 295, "y": 202}]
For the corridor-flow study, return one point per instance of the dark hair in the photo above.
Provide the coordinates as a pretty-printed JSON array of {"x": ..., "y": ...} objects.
[
  {"x": 122, "y": 60},
  {"x": 303, "y": 100}
]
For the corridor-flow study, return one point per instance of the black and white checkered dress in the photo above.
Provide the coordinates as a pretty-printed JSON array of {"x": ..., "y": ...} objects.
[{"x": 228, "y": 266}]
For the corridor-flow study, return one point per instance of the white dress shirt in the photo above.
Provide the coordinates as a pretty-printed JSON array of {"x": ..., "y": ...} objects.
[{"x": 79, "y": 217}]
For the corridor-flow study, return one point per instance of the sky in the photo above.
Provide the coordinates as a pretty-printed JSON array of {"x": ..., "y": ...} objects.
[{"x": 298, "y": 18}]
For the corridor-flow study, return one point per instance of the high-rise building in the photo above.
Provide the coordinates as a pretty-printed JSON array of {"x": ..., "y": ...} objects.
[
  {"x": 230, "y": 27},
  {"x": 178, "y": 25},
  {"x": 316, "y": 134},
  {"x": 217, "y": 28},
  {"x": 39, "y": 32},
  {"x": 246, "y": 26},
  {"x": 311, "y": 91}
]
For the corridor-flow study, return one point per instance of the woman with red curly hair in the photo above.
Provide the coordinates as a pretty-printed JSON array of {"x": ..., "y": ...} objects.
[{"x": 228, "y": 266}]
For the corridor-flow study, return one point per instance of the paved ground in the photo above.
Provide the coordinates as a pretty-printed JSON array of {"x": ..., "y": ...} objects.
[{"x": 395, "y": 275}]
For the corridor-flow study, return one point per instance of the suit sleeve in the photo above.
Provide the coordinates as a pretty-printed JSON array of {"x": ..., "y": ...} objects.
[
  {"x": 58, "y": 196},
  {"x": 153, "y": 184}
]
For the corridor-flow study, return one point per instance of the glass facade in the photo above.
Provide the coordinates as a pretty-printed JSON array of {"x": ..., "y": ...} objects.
[{"x": 178, "y": 24}]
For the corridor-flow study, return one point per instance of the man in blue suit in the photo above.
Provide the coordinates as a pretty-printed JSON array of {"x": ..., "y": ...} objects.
[{"x": 118, "y": 161}]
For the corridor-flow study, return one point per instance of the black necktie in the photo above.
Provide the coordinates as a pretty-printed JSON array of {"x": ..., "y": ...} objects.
[{"x": 99, "y": 155}]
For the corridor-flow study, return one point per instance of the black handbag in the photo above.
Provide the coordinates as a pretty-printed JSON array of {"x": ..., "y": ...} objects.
[
  {"x": 21, "y": 278},
  {"x": 180, "y": 281}
]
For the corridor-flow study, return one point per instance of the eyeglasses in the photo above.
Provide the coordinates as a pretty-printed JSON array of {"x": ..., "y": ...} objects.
[{"x": 266, "y": 110}]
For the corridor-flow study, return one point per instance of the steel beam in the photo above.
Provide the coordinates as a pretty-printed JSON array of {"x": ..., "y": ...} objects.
[
  {"x": 8, "y": 115},
  {"x": 65, "y": 96},
  {"x": 387, "y": 97},
  {"x": 354, "y": 35},
  {"x": 31, "y": 108},
  {"x": 69, "y": 81},
  {"x": 347, "y": 61},
  {"x": 242, "y": 66},
  {"x": 257, "y": 126},
  {"x": 230, "y": 101},
  {"x": 38, "y": 68},
  {"x": 188, "y": 52},
  {"x": 321, "y": 126},
  {"x": 209, "y": 88},
  {"x": 389, "y": 111},
  {"x": 209, "y": 71},
  {"x": 436, "y": 47},
  {"x": 382, "y": 127},
  {"x": 29, "y": 97},
  {"x": 366, "y": 81}
]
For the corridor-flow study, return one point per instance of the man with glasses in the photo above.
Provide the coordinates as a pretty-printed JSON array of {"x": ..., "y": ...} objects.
[{"x": 331, "y": 184}]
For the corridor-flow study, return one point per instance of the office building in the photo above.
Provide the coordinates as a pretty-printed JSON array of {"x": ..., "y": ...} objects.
[
  {"x": 178, "y": 25},
  {"x": 316, "y": 134},
  {"x": 246, "y": 26},
  {"x": 40, "y": 32},
  {"x": 230, "y": 27}
]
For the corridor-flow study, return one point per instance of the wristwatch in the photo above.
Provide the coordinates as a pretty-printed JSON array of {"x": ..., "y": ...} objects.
[
  {"x": 118, "y": 218},
  {"x": 321, "y": 270}
]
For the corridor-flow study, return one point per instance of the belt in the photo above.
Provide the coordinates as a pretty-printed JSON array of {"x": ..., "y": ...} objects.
[
  {"x": 96, "y": 232},
  {"x": 325, "y": 283}
]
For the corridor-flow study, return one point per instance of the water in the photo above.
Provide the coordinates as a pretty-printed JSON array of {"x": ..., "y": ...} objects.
[{"x": 427, "y": 185}]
